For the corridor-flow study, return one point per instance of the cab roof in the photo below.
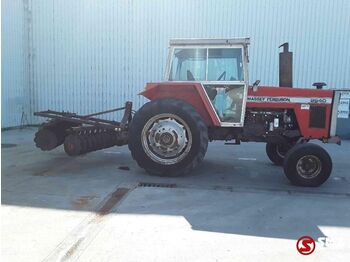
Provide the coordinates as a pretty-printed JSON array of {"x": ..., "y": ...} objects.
[{"x": 209, "y": 41}]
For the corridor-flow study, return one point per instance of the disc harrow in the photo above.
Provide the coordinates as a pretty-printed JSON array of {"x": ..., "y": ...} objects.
[
  {"x": 82, "y": 134},
  {"x": 92, "y": 139}
]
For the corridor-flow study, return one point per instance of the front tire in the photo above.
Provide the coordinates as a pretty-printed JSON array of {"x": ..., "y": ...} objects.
[
  {"x": 307, "y": 165},
  {"x": 277, "y": 152},
  {"x": 168, "y": 137}
]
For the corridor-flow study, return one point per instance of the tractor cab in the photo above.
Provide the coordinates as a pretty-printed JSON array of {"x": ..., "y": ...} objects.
[{"x": 220, "y": 65}]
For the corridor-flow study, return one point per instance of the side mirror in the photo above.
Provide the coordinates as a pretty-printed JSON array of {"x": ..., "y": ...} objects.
[{"x": 255, "y": 85}]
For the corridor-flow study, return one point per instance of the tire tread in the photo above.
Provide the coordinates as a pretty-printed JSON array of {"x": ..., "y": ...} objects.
[{"x": 181, "y": 106}]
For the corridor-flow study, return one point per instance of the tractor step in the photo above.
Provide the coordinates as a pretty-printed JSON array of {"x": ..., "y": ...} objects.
[{"x": 237, "y": 142}]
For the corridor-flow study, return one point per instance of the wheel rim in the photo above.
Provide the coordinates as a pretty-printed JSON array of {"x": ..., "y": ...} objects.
[
  {"x": 166, "y": 139},
  {"x": 309, "y": 166}
]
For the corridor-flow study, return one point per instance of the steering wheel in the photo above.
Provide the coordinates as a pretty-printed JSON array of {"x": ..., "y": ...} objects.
[{"x": 223, "y": 75}]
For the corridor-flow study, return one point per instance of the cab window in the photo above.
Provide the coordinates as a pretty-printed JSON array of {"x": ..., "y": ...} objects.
[
  {"x": 225, "y": 64},
  {"x": 190, "y": 64}
]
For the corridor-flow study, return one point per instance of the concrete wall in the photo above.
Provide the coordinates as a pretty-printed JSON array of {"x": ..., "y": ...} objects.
[{"x": 88, "y": 55}]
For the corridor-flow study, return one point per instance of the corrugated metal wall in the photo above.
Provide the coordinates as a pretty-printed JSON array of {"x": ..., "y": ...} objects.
[
  {"x": 14, "y": 74},
  {"x": 92, "y": 55}
]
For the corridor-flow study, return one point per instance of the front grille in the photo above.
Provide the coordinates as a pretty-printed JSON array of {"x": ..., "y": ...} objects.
[{"x": 317, "y": 117}]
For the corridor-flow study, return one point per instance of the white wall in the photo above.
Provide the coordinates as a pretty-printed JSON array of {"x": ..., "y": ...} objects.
[
  {"x": 14, "y": 70},
  {"x": 90, "y": 55}
]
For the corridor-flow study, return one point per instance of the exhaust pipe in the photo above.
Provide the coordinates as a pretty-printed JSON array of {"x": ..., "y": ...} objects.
[{"x": 286, "y": 67}]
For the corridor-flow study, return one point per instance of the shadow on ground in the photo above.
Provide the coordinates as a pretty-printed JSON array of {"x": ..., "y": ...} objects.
[{"x": 236, "y": 190}]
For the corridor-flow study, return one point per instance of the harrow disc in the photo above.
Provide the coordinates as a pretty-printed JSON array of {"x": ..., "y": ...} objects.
[
  {"x": 73, "y": 145},
  {"x": 47, "y": 139}
]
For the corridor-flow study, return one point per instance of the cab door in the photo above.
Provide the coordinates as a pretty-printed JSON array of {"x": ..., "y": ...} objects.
[{"x": 225, "y": 84}]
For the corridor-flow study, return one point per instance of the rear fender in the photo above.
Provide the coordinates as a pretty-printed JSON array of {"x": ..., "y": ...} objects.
[{"x": 192, "y": 93}]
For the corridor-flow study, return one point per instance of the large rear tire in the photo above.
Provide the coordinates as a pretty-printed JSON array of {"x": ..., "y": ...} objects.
[
  {"x": 168, "y": 137},
  {"x": 307, "y": 165}
]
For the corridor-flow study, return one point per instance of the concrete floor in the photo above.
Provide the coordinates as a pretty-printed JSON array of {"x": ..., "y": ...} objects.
[{"x": 235, "y": 206}]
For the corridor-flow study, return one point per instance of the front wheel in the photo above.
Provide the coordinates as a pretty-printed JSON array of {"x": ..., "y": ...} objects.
[
  {"x": 168, "y": 137},
  {"x": 276, "y": 152},
  {"x": 307, "y": 165}
]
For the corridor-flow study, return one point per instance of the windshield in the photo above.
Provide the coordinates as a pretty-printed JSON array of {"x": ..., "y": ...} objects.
[{"x": 190, "y": 64}]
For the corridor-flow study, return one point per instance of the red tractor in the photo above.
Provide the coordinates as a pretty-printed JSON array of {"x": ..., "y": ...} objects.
[{"x": 206, "y": 97}]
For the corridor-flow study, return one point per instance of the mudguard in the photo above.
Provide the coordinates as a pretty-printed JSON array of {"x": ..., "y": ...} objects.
[{"x": 192, "y": 93}]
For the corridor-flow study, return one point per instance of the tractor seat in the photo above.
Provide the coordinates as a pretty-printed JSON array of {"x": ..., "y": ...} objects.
[{"x": 190, "y": 76}]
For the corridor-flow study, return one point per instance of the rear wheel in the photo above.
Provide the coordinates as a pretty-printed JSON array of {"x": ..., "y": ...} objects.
[
  {"x": 277, "y": 152},
  {"x": 307, "y": 165},
  {"x": 168, "y": 137}
]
